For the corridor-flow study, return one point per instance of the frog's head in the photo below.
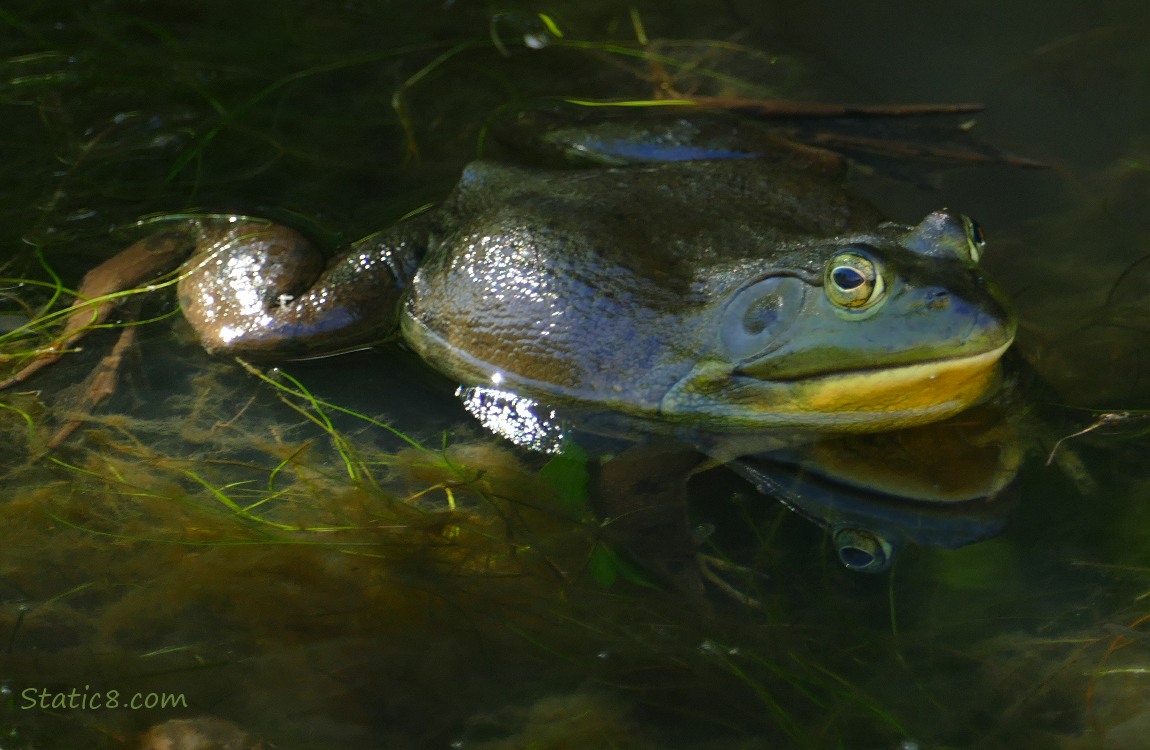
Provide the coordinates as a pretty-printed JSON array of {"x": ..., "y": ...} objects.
[{"x": 865, "y": 332}]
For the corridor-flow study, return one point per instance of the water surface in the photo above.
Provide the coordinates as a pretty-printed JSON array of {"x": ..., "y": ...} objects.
[{"x": 211, "y": 543}]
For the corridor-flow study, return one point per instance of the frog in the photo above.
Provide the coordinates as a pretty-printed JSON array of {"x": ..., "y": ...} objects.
[
  {"x": 724, "y": 296},
  {"x": 740, "y": 300}
]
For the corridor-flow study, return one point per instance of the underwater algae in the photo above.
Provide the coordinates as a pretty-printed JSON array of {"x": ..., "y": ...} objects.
[
  {"x": 280, "y": 590},
  {"x": 130, "y": 563}
]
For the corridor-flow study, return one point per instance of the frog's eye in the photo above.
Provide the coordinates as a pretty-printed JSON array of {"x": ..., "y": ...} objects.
[
  {"x": 863, "y": 550},
  {"x": 947, "y": 234},
  {"x": 853, "y": 280},
  {"x": 975, "y": 238}
]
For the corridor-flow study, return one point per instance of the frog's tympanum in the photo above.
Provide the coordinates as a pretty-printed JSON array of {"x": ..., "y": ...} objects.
[{"x": 740, "y": 301}]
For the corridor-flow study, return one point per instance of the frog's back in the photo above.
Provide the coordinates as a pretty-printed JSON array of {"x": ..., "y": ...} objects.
[{"x": 599, "y": 286}]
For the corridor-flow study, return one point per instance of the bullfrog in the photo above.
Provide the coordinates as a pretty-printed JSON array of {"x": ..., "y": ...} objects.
[
  {"x": 739, "y": 300},
  {"x": 697, "y": 297}
]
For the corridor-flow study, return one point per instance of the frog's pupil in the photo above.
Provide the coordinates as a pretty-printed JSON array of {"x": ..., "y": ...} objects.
[
  {"x": 847, "y": 278},
  {"x": 856, "y": 558},
  {"x": 977, "y": 234}
]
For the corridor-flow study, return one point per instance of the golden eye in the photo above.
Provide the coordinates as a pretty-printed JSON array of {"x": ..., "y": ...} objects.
[{"x": 854, "y": 281}]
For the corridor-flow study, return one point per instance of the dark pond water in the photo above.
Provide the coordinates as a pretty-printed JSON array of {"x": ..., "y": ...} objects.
[{"x": 211, "y": 546}]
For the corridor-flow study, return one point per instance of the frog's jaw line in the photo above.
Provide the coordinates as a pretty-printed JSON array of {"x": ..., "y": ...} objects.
[
  {"x": 874, "y": 400},
  {"x": 885, "y": 399}
]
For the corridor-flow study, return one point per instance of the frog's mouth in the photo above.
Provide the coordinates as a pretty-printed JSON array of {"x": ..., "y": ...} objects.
[
  {"x": 902, "y": 389},
  {"x": 865, "y": 400}
]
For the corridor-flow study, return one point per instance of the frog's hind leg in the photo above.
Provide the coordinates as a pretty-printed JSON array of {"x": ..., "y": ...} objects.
[
  {"x": 99, "y": 290},
  {"x": 262, "y": 289}
]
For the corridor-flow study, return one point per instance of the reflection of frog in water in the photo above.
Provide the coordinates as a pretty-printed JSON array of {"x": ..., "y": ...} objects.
[{"x": 739, "y": 302}]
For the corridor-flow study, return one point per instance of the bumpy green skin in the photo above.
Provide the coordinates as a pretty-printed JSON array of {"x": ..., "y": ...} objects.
[
  {"x": 626, "y": 290},
  {"x": 606, "y": 285},
  {"x": 614, "y": 287}
]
